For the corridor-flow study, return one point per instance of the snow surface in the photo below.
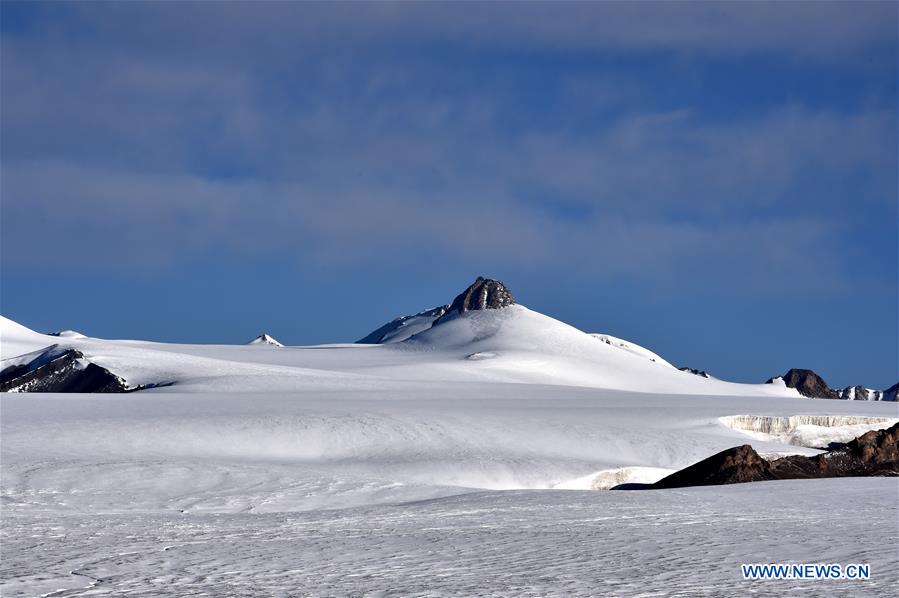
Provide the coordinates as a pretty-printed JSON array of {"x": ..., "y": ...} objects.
[
  {"x": 609, "y": 478},
  {"x": 69, "y": 334},
  {"x": 523, "y": 346},
  {"x": 410, "y": 470},
  {"x": 631, "y": 348}
]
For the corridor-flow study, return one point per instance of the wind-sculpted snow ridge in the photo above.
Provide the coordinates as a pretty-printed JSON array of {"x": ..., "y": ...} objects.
[{"x": 811, "y": 431}]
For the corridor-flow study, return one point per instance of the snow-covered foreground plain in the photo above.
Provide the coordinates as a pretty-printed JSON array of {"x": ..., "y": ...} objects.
[
  {"x": 464, "y": 461},
  {"x": 517, "y": 543},
  {"x": 423, "y": 489}
]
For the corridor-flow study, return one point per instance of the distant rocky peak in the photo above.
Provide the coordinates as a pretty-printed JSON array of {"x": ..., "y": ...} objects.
[
  {"x": 265, "y": 339},
  {"x": 808, "y": 383},
  {"x": 484, "y": 293}
]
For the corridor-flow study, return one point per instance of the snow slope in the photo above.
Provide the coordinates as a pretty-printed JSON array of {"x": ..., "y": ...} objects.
[
  {"x": 165, "y": 493},
  {"x": 416, "y": 469},
  {"x": 513, "y": 344},
  {"x": 631, "y": 348},
  {"x": 403, "y": 327}
]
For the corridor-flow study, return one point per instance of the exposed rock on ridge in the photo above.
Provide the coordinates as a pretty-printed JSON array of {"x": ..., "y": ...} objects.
[
  {"x": 860, "y": 393},
  {"x": 874, "y": 453},
  {"x": 56, "y": 369},
  {"x": 891, "y": 393},
  {"x": 809, "y": 384},
  {"x": 484, "y": 293},
  {"x": 733, "y": 466},
  {"x": 695, "y": 372}
]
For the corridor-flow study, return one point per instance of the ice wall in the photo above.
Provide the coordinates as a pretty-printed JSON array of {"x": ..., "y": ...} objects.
[{"x": 812, "y": 431}]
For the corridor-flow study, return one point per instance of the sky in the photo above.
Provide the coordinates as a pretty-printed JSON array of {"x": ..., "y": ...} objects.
[{"x": 715, "y": 181}]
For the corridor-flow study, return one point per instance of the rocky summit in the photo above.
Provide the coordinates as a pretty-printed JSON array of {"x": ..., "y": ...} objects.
[
  {"x": 484, "y": 293},
  {"x": 808, "y": 383}
]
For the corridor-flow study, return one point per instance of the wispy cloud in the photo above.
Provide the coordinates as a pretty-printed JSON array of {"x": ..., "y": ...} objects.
[
  {"x": 805, "y": 30},
  {"x": 328, "y": 132}
]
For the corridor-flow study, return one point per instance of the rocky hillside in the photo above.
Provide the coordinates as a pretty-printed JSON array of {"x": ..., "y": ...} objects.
[
  {"x": 874, "y": 453},
  {"x": 809, "y": 384},
  {"x": 57, "y": 369}
]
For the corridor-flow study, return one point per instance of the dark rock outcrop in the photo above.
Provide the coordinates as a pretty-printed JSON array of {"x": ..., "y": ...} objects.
[
  {"x": 484, "y": 293},
  {"x": 811, "y": 385},
  {"x": 56, "y": 369},
  {"x": 694, "y": 371},
  {"x": 732, "y": 466},
  {"x": 874, "y": 453},
  {"x": 808, "y": 383},
  {"x": 860, "y": 393}
]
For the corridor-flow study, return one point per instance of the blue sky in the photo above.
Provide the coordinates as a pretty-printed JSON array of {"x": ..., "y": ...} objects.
[{"x": 716, "y": 181}]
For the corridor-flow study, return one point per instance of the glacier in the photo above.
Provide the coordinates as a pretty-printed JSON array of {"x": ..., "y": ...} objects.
[{"x": 411, "y": 469}]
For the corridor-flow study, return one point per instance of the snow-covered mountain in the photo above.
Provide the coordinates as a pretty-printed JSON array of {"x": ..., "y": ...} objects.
[
  {"x": 631, "y": 348},
  {"x": 860, "y": 393},
  {"x": 476, "y": 441},
  {"x": 265, "y": 339},
  {"x": 482, "y": 335}
]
